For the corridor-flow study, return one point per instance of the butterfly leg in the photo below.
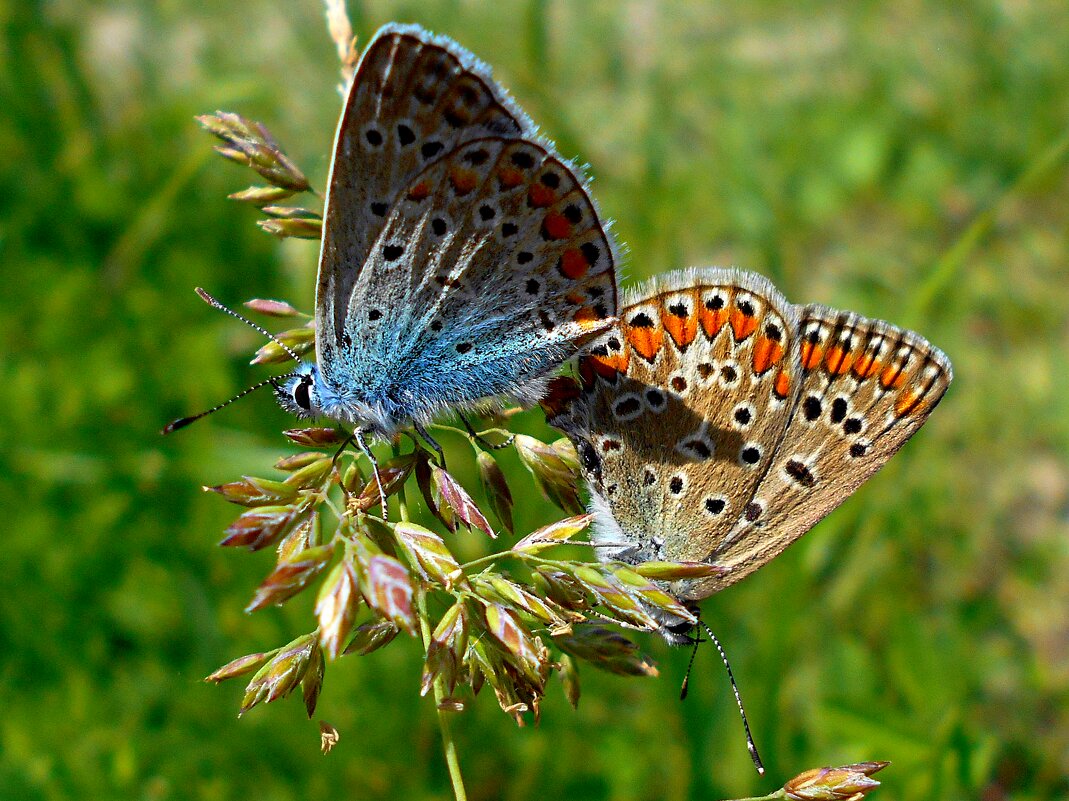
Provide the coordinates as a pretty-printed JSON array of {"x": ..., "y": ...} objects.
[
  {"x": 344, "y": 445},
  {"x": 432, "y": 442},
  {"x": 361, "y": 443},
  {"x": 483, "y": 442}
]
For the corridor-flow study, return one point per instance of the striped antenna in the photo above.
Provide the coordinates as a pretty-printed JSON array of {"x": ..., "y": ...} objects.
[
  {"x": 217, "y": 305},
  {"x": 750, "y": 745},
  {"x": 182, "y": 422}
]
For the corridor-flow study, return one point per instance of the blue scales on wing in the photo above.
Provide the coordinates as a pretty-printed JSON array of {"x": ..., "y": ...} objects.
[{"x": 462, "y": 257}]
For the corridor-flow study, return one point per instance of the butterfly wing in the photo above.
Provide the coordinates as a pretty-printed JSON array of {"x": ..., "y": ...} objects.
[
  {"x": 733, "y": 468},
  {"x": 492, "y": 269},
  {"x": 866, "y": 387},
  {"x": 485, "y": 264},
  {"x": 414, "y": 97},
  {"x": 676, "y": 412}
]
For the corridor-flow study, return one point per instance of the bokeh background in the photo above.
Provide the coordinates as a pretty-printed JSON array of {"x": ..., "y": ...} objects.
[{"x": 908, "y": 160}]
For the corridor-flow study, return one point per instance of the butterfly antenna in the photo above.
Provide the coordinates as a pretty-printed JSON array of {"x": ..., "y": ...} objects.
[
  {"x": 362, "y": 444},
  {"x": 750, "y": 745},
  {"x": 686, "y": 676},
  {"x": 182, "y": 422},
  {"x": 217, "y": 305}
]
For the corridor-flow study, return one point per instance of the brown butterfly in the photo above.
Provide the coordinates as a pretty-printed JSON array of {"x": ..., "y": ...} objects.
[{"x": 719, "y": 423}]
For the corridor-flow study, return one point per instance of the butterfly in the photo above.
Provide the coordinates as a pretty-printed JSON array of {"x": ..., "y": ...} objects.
[
  {"x": 462, "y": 257},
  {"x": 719, "y": 423}
]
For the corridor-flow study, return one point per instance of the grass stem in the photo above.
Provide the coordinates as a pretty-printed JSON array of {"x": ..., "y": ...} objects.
[{"x": 452, "y": 760}]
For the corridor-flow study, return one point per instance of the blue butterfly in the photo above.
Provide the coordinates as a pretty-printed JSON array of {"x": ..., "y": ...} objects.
[{"x": 462, "y": 257}]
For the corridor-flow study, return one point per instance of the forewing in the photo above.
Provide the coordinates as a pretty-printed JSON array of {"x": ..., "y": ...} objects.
[
  {"x": 414, "y": 98},
  {"x": 867, "y": 387}
]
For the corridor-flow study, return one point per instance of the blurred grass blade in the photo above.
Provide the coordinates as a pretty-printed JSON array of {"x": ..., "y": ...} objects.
[{"x": 273, "y": 308}]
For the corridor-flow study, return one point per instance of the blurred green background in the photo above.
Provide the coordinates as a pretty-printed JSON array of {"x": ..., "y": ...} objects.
[{"x": 907, "y": 160}]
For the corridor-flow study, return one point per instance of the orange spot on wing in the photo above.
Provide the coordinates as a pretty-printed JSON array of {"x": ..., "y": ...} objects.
[
  {"x": 908, "y": 401},
  {"x": 646, "y": 341},
  {"x": 573, "y": 263},
  {"x": 510, "y": 178},
  {"x": 712, "y": 321},
  {"x": 783, "y": 384},
  {"x": 575, "y": 298},
  {"x": 556, "y": 226},
  {"x": 605, "y": 366},
  {"x": 463, "y": 180},
  {"x": 812, "y": 354},
  {"x": 866, "y": 366},
  {"x": 743, "y": 325},
  {"x": 681, "y": 329},
  {"x": 892, "y": 377},
  {"x": 609, "y": 365},
  {"x": 419, "y": 192},
  {"x": 766, "y": 352},
  {"x": 838, "y": 360},
  {"x": 540, "y": 196}
]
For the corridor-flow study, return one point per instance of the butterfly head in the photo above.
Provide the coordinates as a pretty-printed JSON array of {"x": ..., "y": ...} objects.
[
  {"x": 306, "y": 392},
  {"x": 302, "y": 391},
  {"x": 680, "y": 632}
]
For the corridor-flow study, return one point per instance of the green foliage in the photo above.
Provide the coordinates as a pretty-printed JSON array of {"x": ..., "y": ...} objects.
[{"x": 907, "y": 160}]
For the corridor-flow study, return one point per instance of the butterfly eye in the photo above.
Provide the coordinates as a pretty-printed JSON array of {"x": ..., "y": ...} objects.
[{"x": 301, "y": 396}]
